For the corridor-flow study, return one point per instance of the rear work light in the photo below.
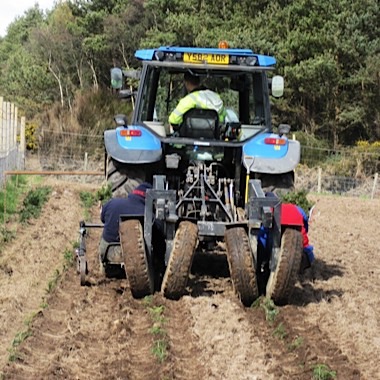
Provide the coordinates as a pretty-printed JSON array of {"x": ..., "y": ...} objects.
[
  {"x": 130, "y": 133},
  {"x": 274, "y": 141}
]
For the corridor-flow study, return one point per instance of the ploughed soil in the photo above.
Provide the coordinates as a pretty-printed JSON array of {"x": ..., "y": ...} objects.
[{"x": 99, "y": 331}]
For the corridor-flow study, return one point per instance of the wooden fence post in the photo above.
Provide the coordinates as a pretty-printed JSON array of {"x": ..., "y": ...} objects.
[
  {"x": 2, "y": 126},
  {"x": 374, "y": 185},
  {"x": 22, "y": 142},
  {"x": 319, "y": 180},
  {"x": 15, "y": 125},
  {"x": 85, "y": 161},
  {"x": 7, "y": 128}
]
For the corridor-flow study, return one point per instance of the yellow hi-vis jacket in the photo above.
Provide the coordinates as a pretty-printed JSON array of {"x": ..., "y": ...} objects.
[{"x": 205, "y": 99}]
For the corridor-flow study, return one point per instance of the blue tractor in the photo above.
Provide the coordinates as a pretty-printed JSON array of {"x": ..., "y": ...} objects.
[{"x": 209, "y": 177}]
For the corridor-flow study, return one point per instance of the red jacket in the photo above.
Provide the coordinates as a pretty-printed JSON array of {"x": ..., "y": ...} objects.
[{"x": 291, "y": 216}]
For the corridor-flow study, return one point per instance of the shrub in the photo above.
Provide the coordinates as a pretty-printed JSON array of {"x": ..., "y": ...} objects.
[
  {"x": 33, "y": 203},
  {"x": 298, "y": 198}
]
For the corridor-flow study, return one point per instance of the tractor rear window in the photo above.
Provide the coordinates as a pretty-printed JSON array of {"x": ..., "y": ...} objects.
[{"x": 242, "y": 94}]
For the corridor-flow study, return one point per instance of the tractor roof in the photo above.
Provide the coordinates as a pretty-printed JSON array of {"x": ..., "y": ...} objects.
[{"x": 213, "y": 56}]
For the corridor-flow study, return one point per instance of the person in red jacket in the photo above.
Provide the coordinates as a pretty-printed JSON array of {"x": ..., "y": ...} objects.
[{"x": 291, "y": 214}]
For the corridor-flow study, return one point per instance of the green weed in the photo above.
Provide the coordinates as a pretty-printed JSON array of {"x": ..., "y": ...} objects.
[
  {"x": 160, "y": 349},
  {"x": 156, "y": 314},
  {"x": 18, "y": 339},
  {"x": 6, "y": 235},
  {"x": 10, "y": 195},
  {"x": 296, "y": 343},
  {"x": 53, "y": 282},
  {"x": 88, "y": 199},
  {"x": 256, "y": 303},
  {"x": 104, "y": 193},
  {"x": 160, "y": 344},
  {"x": 157, "y": 330},
  {"x": 68, "y": 257},
  {"x": 147, "y": 301},
  {"x": 271, "y": 310},
  {"x": 323, "y": 372},
  {"x": 13, "y": 355},
  {"x": 33, "y": 203},
  {"x": 280, "y": 332}
]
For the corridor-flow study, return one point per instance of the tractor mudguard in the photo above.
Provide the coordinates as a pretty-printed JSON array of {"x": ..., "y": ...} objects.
[
  {"x": 133, "y": 145},
  {"x": 272, "y": 158}
]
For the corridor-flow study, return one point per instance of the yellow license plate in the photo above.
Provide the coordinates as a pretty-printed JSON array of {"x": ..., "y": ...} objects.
[{"x": 215, "y": 59}]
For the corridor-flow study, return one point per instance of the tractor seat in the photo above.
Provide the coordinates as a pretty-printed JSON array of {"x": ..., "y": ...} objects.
[{"x": 200, "y": 124}]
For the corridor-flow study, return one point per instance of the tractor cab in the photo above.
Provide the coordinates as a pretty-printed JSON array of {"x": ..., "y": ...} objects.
[{"x": 239, "y": 76}]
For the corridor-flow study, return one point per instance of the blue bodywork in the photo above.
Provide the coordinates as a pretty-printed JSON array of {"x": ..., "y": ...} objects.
[
  {"x": 147, "y": 140},
  {"x": 142, "y": 149},
  {"x": 257, "y": 147},
  {"x": 149, "y": 147},
  {"x": 150, "y": 54}
]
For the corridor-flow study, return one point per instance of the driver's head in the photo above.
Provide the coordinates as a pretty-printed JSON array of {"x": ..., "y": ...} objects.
[{"x": 191, "y": 81}]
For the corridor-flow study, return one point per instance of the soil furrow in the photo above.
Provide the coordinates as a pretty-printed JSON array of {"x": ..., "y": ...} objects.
[
  {"x": 228, "y": 341},
  {"x": 100, "y": 332},
  {"x": 184, "y": 353}
]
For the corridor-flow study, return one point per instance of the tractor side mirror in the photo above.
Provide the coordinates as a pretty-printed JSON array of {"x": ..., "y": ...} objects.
[
  {"x": 283, "y": 129},
  {"x": 277, "y": 86},
  {"x": 121, "y": 120}
]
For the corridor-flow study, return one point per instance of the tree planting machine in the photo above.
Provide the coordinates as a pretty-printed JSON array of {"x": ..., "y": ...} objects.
[{"x": 209, "y": 178}]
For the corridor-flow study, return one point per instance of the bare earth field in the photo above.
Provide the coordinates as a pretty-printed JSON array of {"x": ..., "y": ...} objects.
[{"x": 99, "y": 331}]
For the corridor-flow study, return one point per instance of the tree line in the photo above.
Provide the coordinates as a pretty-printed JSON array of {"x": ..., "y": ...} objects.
[{"x": 327, "y": 50}]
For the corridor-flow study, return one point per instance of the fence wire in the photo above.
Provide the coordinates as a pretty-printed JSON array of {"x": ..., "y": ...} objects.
[{"x": 320, "y": 171}]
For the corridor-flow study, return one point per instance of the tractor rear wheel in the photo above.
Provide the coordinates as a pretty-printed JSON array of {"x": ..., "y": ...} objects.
[
  {"x": 122, "y": 177},
  {"x": 180, "y": 260},
  {"x": 241, "y": 264},
  {"x": 278, "y": 183},
  {"x": 282, "y": 279},
  {"x": 137, "y": 266}
]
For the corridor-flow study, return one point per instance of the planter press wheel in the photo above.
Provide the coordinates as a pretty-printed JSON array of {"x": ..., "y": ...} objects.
[
  {"x": 137, "y": 266},
  {"x": 241, "y": 264},
  {"x": 282, "y": 279},
  {"x": 180, "y": 261},
  {"x": 82, "y": 266}
]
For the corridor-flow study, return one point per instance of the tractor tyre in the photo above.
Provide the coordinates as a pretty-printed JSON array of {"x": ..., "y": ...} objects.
[
  {"x": 282, "y": 279},
  {"x": 277, "y": 183},
  {"x": 242, "y": 265},
  {"x": 137, "y": 266},
  {"x": 123, "y": 178},
  {"x": 181, "y": 258}
]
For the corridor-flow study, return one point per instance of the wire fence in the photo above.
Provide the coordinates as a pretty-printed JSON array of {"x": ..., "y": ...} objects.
[
  {"x": 321, "y": 170},
  {"x": 11, "y": 151}
]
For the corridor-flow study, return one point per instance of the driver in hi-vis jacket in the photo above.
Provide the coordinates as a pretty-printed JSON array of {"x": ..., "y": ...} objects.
[{"x": 197, "y": 97}]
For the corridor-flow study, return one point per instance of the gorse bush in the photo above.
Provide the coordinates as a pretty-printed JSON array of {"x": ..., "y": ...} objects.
[
  {"x": 102, "y": 195},
  {"x": 88, "y": 199},
  {"x": 31, "y": 136},
  {"x": 298, "y": 198},
  {"x": 33, "y": 203}
]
